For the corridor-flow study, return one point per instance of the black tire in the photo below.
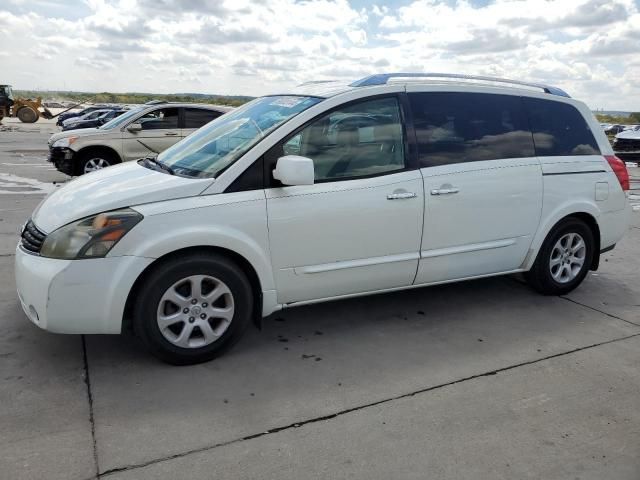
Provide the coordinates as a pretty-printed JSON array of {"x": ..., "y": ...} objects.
[
  {"x": 94, "y": 157},
  {"x": 162, "y": 278},
  {"x": 28, "y": 115},
  {"x": 540, "y": 276}
]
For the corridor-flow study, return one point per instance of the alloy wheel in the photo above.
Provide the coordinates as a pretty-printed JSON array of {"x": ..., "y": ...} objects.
[
  {"x": 567, "y": 257},
  {"x": 95, "y": 164},
  {"x": 195, "y": 311}
]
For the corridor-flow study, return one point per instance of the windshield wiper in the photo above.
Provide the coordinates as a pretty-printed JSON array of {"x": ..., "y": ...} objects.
[{"x": 162, "y": 166}]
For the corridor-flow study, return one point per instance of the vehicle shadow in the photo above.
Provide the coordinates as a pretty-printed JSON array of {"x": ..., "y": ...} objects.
[{"x": 478, "y": 307}]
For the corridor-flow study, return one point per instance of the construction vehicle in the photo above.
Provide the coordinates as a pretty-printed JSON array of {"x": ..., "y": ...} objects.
[{"x": 26, "y": 109}]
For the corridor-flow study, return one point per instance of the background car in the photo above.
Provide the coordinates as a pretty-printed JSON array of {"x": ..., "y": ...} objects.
[
  {"x": 613, "y": 129},
  {"x": 626, "y": 145},
  {"x": 92, "y": 120},
  {"x": 87, "y": 116},
  {"x": 141, "y": 132},
  {"x": 67, "y": 115}
]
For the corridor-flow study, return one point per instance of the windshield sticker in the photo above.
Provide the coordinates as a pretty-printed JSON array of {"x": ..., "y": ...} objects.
[{"x": 287, "y": 102}]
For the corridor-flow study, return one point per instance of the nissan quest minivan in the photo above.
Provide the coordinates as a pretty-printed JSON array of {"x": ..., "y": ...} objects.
[{"x": 328, "y": 191}]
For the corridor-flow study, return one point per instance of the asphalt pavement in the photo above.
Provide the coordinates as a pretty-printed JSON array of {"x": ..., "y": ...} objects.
[{"x": 477, "y": 380}]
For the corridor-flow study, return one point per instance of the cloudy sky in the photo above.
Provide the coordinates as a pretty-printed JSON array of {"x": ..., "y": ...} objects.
[{"x": 591, "y": 48}]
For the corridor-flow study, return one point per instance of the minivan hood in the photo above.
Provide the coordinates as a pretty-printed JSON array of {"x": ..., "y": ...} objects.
[
  {"x": 81, "y": 132},
  {"x": 119, "y": 186}
]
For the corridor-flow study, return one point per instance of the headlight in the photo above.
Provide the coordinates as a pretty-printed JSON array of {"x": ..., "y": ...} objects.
[
  {"x": 64, "y": 142},
  {"x": 90, "y": 237}
]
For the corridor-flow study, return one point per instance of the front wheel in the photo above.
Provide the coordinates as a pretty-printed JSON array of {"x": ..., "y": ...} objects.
[
  {"x": 564, "y": 258},
  {"x": 93, "y": 161},
  {"x": 191, "y": 309},
  {"x": 28, "y": 115}
]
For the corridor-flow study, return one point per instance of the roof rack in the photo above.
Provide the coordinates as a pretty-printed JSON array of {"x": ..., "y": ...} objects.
[
  {"x": 316, "y": 82},
  {"x": 383, "y": 78}
]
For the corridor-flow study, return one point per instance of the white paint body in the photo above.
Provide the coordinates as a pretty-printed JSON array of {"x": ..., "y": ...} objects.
[{"x": 311, "y": 243}]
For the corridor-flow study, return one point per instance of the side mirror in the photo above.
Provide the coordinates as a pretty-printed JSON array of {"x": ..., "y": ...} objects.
[
  {"x": 294, "y": 170},
  {"x": 135, "y": 127}
]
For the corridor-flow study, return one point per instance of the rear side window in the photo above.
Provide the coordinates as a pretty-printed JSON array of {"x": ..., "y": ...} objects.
[
  {"x": 164, "y": 118},
  {"x": 197, "y": 117},
  {"x": 469, "y": 127},
  {"x": 559, "y": 129}
]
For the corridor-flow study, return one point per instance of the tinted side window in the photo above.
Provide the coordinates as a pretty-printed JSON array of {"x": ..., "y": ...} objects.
[
  {"x": 160, "y": 119},
  {"x": 469, "y": 127},
  {"x": 197, "y": 117},
  {"x": 559, "y": 129},
  {"x": 359, "y": 140}
]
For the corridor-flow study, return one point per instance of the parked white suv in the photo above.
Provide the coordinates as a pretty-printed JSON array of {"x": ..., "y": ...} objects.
[
  {"x": 326, "y": 192},
  {"x": 143, "y": 131},
  {"x": 626, "y": 145}
]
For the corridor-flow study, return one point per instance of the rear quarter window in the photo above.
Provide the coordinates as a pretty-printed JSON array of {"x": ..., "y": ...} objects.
[
  {"x": 559, "y": 129},
  {"x": 455, "y": 127},
  {"x": 197, "y": 117}
]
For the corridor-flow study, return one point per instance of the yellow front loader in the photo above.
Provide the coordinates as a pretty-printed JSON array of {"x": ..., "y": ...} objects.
[{"x": 26, "y": 109}]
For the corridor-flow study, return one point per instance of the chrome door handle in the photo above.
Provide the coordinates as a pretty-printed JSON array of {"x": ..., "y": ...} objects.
[
  {"x": 444, "y": 191},
  {"x": 170, "y": 134},
  {"x": 401, "y": 196}
]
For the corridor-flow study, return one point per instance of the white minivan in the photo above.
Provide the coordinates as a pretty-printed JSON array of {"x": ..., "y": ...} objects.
[{"x": 328, "y": 191}]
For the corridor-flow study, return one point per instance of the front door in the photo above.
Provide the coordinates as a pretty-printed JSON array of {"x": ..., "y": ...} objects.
[
  {"x": 482, "y": 182},
  {"x": 358, "y": 228},
  {"x": 160, "y": 130}
]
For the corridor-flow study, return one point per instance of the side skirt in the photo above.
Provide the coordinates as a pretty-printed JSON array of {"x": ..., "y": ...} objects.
[{"x": 396, "y": 289}]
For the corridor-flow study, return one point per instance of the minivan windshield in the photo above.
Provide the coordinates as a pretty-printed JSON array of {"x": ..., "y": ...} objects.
[
  {"x": 208, "y": 151},
  {"x": 116, "y": 122}
]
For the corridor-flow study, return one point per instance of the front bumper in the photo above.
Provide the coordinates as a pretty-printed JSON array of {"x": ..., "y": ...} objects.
[
  {"x": 633, "y": 156},
  {"x": 76, "y": 296},
  {"x": 62, "y": 158},
  {"x": 627, "y": 149}
]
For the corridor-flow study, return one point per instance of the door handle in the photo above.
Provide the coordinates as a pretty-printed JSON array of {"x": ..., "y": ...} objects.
[
  {"x": 170, "y": 134},
  {"x": 401, "y": 196},
  {"x": 444, "y": 191}
]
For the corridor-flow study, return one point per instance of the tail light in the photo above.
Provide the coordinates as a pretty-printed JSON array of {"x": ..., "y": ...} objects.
[{"x": 620, "y": 169}]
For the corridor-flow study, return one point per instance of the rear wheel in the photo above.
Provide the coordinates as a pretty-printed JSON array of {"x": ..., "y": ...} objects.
[
  {"x": 564, "y": 258},
  {"x": 191, "y": 309},
  {"x": 28, "y": 115}
]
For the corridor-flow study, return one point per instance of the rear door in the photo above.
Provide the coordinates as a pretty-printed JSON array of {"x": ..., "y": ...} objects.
[
  {"x": 194, "y": 118},
  {"x": 482, "y": 182},
  {"x": 160, "y": 130}
]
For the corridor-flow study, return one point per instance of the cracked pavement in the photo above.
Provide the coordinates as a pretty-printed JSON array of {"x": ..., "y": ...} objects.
[{"x": 482, "y": 379}]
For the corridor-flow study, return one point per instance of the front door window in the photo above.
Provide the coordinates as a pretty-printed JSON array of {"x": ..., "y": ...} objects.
[{"x": 359, "y": 140}]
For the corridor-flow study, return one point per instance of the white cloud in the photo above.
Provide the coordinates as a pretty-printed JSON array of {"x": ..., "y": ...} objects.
[
  {"x": 591, "y": 48},
  {"x": 357, "y": 37}
]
